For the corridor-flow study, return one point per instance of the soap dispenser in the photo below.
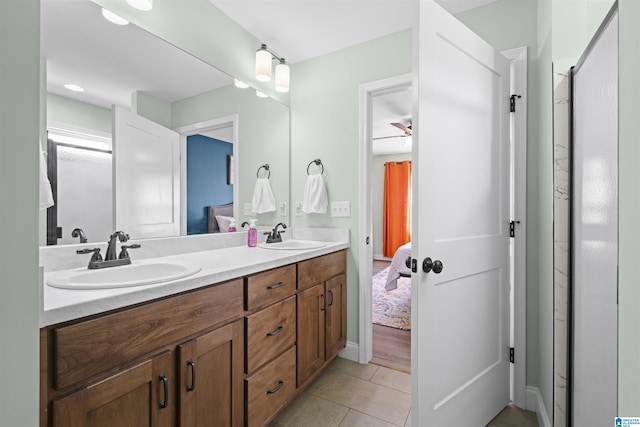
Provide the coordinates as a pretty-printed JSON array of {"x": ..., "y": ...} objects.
[
  {"x": 232, "y": 225},
  {"x": 252, "y": 235}
]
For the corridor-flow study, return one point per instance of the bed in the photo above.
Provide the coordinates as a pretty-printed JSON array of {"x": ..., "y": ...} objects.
[
  {"x": 398, "y": 266},
  {"x": 225, "y": 211}
]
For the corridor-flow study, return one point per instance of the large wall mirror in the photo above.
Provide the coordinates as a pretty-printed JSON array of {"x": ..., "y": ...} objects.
[{"x": 133, "y": 79}]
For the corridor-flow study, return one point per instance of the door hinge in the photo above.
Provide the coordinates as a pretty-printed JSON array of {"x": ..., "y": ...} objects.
[
  {"x": 512, "y": 228},
  {"x": 512, "y": 355},
  {"x": 512, "y": 103}
]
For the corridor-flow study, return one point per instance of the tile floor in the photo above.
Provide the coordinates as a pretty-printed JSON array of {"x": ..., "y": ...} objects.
[{"x": 349, "y": 394}]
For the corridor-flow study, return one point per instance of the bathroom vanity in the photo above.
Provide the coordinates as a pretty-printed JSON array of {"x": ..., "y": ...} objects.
[{"x": 231, "y": 352}]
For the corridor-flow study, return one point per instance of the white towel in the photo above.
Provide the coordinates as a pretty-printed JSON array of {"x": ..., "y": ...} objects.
[
  {"x": 263, "y": 200},
  {"x": 46, "y": 195},
  {"x": 315, "y": 198}
]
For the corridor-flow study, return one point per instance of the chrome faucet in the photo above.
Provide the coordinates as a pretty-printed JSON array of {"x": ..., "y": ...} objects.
[
  {"x": 110, "y": 259},
  {"x": 79, "y": 232},
  {"x": 274, "y": 236},
  {"x": 111, "y": 249}
]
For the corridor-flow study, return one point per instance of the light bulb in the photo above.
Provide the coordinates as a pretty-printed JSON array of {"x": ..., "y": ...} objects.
[
  {"x": 263, "y": 64},
  {"x": 240, "y": 84},
  {"x": 141, "y": 4},
  {"x": 282, "y": 77},
  {"x": 112, "y": 17}
]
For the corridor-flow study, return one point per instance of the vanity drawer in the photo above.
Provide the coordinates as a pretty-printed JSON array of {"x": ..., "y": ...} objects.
[
  {"x": 266, "y": 288},
  {"x": 270, "y": 332},
  {"x": 319, "y": 269},
  {"x": 105, "y": 343},
  {"x": 271, "y": 388}
]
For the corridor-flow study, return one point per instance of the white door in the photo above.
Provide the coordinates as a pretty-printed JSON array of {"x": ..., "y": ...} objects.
[
  {"x": 460, "y": 347},
  {"x": 146, "y": 176}
]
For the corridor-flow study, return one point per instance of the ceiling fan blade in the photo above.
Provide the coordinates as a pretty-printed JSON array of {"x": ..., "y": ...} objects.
[
  {"x": 392, "y": 136},
  {"x": 406, "y": 129}
]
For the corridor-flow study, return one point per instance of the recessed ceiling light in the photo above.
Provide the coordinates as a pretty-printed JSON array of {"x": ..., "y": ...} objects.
[
  {"x": 141, "y": 4},
  {"x": 74, "y": 88},
  {"x": 112, "y": 17},
  {"x": 261, "y": 94},
  {"x": 240, "y": 84}
]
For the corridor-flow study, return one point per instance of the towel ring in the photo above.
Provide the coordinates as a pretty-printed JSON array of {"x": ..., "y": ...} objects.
[
  {"x": 265, "y": 167},
  {"x": 318, "y": 162}
]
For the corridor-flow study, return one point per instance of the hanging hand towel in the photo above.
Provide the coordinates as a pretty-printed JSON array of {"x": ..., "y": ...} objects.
[
  {"x": 263, "y": 200},
  {"x": 315, "y": 198},
  {"x": 46, "y": 195}
]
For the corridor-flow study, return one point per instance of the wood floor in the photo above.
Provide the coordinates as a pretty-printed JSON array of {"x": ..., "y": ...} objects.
[{"x": 391, "y": 347}]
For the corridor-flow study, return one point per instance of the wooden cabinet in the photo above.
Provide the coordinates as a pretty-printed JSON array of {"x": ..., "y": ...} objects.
[
  {"x": 270, "y": 383},
  {"x": 311, "y": 332},
  {"x": 136, "y": 396},
  {"x": 322, "y": 313},
  {"x": 231, "y": 354},
  {"x": 335, "y": 315},
  {"x": 210, "y": 379},
  {"x": 132, "y": 367}
]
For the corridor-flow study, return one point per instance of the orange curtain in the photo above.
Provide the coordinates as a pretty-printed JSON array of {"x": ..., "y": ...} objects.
[{"x": 396, "y": 223}]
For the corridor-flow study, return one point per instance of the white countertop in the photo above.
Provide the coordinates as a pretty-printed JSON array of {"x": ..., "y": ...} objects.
[{"x": 217, "y": 265}]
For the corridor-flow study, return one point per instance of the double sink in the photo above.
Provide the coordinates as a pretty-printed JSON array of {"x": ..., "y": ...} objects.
[{"x": 147, "y": 272}]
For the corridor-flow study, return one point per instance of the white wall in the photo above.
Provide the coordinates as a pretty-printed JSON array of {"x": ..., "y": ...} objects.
[
  {"x": 19, "y": 150},
  {"x": 377, "y": 197}
]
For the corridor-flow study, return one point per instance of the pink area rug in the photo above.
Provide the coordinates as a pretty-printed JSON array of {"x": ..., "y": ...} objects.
[{"x": 392, "y": 308}]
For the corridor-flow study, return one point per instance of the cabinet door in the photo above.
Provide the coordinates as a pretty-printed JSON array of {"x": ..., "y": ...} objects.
[
  {"x": 134, "y": 397},
  {"x": 210, "y": 378},
  {"x": 310, "y": 346},
  {"x": 336, "y": 315}
]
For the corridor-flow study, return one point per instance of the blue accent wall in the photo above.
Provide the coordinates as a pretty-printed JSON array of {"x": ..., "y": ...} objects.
[{"x": 206, "y": 179}]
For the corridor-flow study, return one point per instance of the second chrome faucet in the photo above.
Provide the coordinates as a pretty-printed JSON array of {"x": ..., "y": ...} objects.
[{"x": 110, "y": 259}]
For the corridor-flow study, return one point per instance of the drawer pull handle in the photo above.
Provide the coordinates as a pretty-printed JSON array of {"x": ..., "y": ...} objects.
[
  {"x": 276, "y": 286},
  {"x": 165, "y": 382},
  {"x": 276, "y": 332},
  {"x": 331, "y": 295},
  {"x": 192, "y": 386},
  {"x": 276, "y": 388}
]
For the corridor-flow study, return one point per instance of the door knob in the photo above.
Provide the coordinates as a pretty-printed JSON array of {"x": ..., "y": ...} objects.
[
  {"x": 437, "y": 266},
  {"x": 429, "y": 265},
  {"x": 407, "y": 262}
]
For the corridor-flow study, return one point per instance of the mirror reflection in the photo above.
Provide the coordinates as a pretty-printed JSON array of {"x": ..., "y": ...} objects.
[{"x": 218, "y": 135}]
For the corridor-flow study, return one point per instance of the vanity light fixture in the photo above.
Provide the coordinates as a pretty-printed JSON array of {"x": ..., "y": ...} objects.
[
  {"x": 112, "y": 17},
  {"x": 74, "y": 88},
  {"x": 141, "y": 4},
  {"x": 240, "y": 84},
  {"x": 264, "y": 60}
]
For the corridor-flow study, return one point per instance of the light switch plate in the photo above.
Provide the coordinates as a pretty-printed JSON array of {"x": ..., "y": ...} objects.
[
  {"x": 282, "y": 208},
  {"x": 341, "y": 209},
  {"x": 298, "y": 206},
  {"x": 248, "y": 210}
]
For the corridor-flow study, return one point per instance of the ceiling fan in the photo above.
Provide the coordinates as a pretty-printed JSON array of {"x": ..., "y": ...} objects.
[{"x": 406, "y": 129}]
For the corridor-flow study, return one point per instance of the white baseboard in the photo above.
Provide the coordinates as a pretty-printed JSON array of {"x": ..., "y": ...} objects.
[
  {"x": 351, "y": 351},
  {"x": 535, "y": 403},
  {"x": 380, "y": 257}
]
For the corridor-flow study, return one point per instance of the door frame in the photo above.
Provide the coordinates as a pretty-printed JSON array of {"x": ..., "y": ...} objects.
[
  {"x": 194, "y": 129},
  {"x": 518, "y": 59}
]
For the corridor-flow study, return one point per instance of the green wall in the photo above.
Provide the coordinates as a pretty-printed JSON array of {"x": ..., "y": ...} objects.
[
  {"x": 324, "y": 124},
  {"x": 61, "y": 109},
  {"x": 19, "y": 151}
]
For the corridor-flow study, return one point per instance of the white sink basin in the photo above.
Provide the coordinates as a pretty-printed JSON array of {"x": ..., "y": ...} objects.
[
  {"x": 295, "y": 245},
  {"x": 136, "y": 274}
]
